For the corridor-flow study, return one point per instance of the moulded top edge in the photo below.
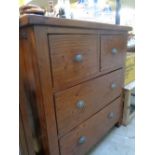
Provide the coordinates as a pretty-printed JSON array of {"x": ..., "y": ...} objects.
[{"x": 26, "y": 20}]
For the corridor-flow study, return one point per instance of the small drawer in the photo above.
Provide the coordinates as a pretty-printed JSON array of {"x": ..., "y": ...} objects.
[
  {"x": 82, "y": 138},
  {"x": 74, "y": 58},
  {"x": 78, "y": 103},
  {"x": 113, "y": 50}
]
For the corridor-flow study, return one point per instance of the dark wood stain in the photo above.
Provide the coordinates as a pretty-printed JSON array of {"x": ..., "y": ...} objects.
[
  {"x": 52, "y": 82},
  {"x": 93, "y": 129},
  {"x": 96, "y": 94}
]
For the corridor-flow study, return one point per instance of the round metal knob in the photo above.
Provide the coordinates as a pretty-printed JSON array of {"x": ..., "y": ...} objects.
[
  {"x": 113, "y": 85},
  {"x": 80, "y": 104},
  {"x": 111, "y": 115},
  {"x": 78, "y": 58},
  {"x": 114, "y": 51},
  {"x": 82, "y": 140}
]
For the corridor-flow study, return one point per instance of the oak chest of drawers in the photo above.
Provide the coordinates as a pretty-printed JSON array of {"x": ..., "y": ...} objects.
[{"x": 71, "y": 78}]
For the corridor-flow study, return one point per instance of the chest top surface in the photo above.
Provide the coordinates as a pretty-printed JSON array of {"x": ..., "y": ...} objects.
[{"x": 26, "y": 20}]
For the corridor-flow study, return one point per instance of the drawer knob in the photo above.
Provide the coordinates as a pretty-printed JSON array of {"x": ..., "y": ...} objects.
[
  {"x": 114, "y": 51},
  {"x": 111, "y": 115},
  {"x": 82, "y": 140},
  {"x": 78, "y": 58},
  {"x": 80, "y": 104},
  {"x": 113, "y": 85}
]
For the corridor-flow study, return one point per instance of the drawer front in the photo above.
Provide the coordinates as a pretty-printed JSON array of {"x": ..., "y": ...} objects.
[
  {"x": 74, "y": 58},
  {"x": 78, "y": 103},
  {"x": 81, "y": 139},
  {"x": 113, "y": 50}
]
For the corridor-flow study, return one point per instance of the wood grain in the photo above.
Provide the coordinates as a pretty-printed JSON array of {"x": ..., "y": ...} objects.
[
  {"x": 96, "y": 94},
  {"x": 64, "y": 48},
  {"x": 22, "y": 137},
  {"x": 26, "y": 120},
  {"x": 43, "y": 63},
  {"x": 111, "y": 61},
  {"x": 51, "y": 83},
  {"x": 35, "y": 96},
  {"x": 93, "y": 129},
  {"x": 26, "y": 20}
]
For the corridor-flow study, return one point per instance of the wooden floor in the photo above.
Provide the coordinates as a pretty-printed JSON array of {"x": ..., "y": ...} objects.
[{"x": 119, "y": 141}]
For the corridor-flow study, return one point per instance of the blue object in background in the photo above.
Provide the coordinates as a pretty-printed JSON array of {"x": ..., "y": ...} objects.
[
  {"x": 107, "y": 9},
  {"x": 81, "y": 1}
]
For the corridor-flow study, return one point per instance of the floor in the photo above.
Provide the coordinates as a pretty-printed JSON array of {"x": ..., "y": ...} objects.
[{"x": 119, "y": 141}]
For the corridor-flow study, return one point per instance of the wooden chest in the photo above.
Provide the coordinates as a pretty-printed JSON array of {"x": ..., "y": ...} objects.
[{"x": 71, "y": 80}]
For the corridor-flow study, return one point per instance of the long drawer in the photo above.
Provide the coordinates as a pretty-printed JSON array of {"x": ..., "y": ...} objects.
[
  {"x": 81, "y": 139},
  {"x": 78, "y": 103}
]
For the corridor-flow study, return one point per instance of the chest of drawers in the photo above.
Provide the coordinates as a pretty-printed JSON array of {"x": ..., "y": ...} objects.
[{"x": 71, "y": 78}]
